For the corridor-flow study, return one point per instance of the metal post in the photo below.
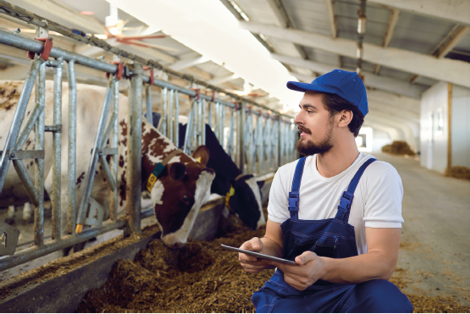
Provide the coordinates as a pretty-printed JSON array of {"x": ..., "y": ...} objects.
[
  {"x": 134, "y": 150},
  {"x": 170, "y": 116},
  {"x": 189, "y": 130},
  {"x": 18, "y": 119},
  {"x": 222, "y": 126},
  {"x": 209, "y": 119},
  {"x": 177, "y": 124},
  {"x": 114, "y": 158},
  {"x": 90, "y": 175},
  {"x": 39, "y": 171},
  {"x": 230, "y": 135},
  {"x": 72, "y": 145},
  {"x": 56, "y": 148},
  {"x": 241, "y": 135},
  {"x": 148, "y": 102},
  {"x": 163, "y": 120},
  {"x": 203, "y": 122}
]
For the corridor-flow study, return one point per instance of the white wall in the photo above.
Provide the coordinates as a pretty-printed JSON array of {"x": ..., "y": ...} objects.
[
  {"x": 460, "y": 126},
  {"x": 381, "y": 138},
  {"x": 434, "y": 127}
]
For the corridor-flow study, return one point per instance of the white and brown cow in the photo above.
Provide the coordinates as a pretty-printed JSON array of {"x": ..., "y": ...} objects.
[{"x": 177, "y": 196}]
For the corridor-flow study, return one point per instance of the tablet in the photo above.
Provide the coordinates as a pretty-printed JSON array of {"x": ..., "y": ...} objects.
[{"x": 259, "y": 255}]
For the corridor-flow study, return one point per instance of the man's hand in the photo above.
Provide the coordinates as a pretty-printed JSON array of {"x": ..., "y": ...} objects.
[
  {"x": 310, "y": 267},
  {"x": 252, "y": 264}
]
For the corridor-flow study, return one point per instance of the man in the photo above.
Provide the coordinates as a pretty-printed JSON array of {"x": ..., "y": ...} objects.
[{"x": 345, "y": 250}]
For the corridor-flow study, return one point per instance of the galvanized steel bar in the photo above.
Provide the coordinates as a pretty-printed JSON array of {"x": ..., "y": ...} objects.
[
  {"x": 203, "y": 122},
  {"x": 72, "y": 146},
  {"x": 107, "y": 173},
  {"x": 18, "y": 119},
  {"x": 114, "y": 158},
  {"x": 230, "y": 148},
  {"x": 109, "y": 127},
  {"x": 189, "y": 130},
  {"x": 56, "y": 150},
  {"x": 209, "y": 116},
  {"x": 29, "y": 254},
  {"x": 39, "y": 171},
  {"x": 148, "y": 103},
  {"x": 222, "y": 127},
  {"x": 90, "y": 175},
  {"x": 164, "y": 118},
  {"x": 177, "y": 113},
  {"x": 29, "y": 125},
  {"x": 241, "y": 137},
  {"x": 199, "y": 123},
  {"x": 27, "y": 182},
  {"x": 170, "y": 116},
  {"x": 133, "y": 192}
]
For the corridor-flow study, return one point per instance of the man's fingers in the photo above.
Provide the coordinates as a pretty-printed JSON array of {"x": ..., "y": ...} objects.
[
  {"x": 305, "y": 257},
  {"x": 254, "y": 245}
]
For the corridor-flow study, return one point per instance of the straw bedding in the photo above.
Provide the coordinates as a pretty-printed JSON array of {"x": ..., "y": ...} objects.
[
  {"x": 458, "y": 172},
  {"x": 204, "y": 278},
  {"x": 398, "y": 148}
]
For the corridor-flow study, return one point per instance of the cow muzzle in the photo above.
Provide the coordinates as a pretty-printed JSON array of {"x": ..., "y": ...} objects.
[{"x": 172, "y": 242}]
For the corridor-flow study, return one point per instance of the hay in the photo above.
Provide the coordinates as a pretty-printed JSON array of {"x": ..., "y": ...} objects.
[
  {"x": 458, "y": 172},
  {"x": 398, "y": 148},
  {"x": 204, "y": 278}
]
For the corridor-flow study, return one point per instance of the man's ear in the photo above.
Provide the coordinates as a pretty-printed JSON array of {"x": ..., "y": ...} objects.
[
  {"x": 176, "y": 170},
  {"x": 345, "y": 118},
  {"x": 201, "y": 154}
]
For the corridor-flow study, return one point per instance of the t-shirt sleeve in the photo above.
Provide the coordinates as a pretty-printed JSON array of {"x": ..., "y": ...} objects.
[
  {"x": 383, "y": 207},
  {"x": 277, "y": 206}
]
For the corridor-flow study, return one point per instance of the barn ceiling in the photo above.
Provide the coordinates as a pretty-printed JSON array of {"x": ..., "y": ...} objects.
[{"x": 407, "y": 46}]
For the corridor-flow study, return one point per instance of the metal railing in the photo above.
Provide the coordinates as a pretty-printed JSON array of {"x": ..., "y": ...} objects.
[{"x": 259, "y": 141}]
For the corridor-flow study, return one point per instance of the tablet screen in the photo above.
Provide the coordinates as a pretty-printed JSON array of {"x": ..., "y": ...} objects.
[{"x": 259, "y": 255}]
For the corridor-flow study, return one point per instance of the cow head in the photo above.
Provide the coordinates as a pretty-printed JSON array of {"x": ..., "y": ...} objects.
[
  {"x": 246, "y": 201},
  {"x": 177, "y": 196}
]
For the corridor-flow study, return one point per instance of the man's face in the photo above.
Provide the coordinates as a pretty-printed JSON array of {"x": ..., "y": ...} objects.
[{"x": 315, "y": 125}]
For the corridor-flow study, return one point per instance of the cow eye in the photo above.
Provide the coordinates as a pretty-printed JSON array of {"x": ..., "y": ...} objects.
[{"x": 185, "y": 198}]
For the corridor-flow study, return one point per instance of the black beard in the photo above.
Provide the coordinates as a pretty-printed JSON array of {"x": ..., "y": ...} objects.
[{"x": 309, "y": 148}]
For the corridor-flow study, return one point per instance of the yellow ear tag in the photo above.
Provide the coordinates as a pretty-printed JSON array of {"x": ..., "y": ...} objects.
[
  {"x": 232, "y": 191},
  {"x": 198, "y": 159}
]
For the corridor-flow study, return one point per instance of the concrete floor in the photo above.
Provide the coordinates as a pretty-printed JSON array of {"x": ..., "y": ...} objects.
[{"x": 435, "y": 249}]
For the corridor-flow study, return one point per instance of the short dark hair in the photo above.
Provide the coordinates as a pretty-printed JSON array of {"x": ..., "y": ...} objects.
[{"x": 334, "y": 104}]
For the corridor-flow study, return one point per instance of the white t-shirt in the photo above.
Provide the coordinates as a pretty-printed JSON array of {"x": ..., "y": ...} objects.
[{"x": 376, "y": 203}]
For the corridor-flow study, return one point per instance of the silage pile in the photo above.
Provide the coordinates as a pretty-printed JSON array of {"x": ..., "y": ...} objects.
[
  {"x": 458, "y": 172},
  {"x": 398, "y": 148},
  {"x": 203, "y": 278}
]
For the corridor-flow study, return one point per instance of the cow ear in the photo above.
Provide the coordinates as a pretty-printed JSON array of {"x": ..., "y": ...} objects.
[
  {"x": 177, "y": 170},
  {"x": 201, "y": 154}
]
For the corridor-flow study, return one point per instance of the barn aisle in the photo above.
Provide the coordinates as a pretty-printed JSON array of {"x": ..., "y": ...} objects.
[{"x": 434, "y": 251}]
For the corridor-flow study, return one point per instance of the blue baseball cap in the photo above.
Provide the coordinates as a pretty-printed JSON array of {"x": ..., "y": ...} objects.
[{"x": 345, "y": 84}]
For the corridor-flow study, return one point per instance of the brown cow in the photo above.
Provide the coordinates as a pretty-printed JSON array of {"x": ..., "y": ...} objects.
[{"x": 177, "y": 196}]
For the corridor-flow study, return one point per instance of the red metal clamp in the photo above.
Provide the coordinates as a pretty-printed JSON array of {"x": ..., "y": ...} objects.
[
  {"x": 120, "y": 69},
  {"x": 198, "y": 93},
  {"x": 213, "y": 96},
  {"x": 151, "y": 77},
  {"x": 46, "y": 51}
]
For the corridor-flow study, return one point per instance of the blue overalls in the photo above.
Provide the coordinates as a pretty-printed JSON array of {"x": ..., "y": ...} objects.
[{"x": 332, "y": 237}]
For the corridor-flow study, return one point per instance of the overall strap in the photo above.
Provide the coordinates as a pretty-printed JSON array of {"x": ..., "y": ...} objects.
[
  {"x": 344, "y": 207},
  {"x": 294, "y": 193}
]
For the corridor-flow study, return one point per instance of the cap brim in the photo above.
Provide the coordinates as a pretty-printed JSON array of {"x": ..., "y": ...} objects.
[{"x": 303, "y": 87}]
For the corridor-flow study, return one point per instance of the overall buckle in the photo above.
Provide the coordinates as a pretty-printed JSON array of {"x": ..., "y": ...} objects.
[
  {"x": 293, "y": 201},
  {"x": 346, "y": 200}
]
